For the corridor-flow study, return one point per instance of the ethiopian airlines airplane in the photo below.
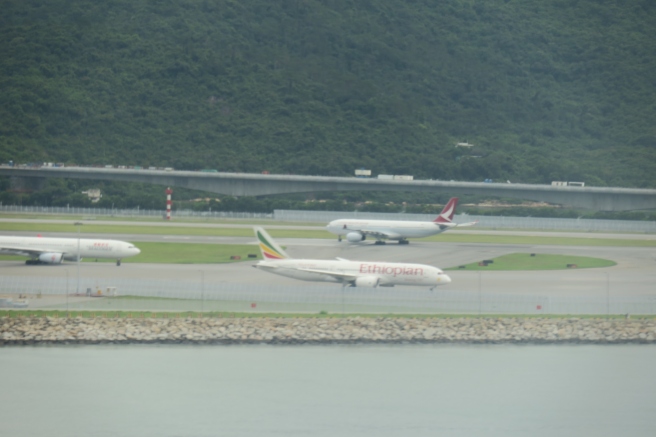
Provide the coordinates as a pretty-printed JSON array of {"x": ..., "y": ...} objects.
[
  {"x": 357, "y": 230},
  {"x": 352, "y": 273},
  {"x": 43, "y": 250}
]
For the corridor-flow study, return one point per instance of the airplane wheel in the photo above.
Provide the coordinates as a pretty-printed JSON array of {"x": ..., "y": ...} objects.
[
  {"x": 118, "y": 262},
  {"x": 380, "y": 243},
  {"x": 404, "y": 242}
]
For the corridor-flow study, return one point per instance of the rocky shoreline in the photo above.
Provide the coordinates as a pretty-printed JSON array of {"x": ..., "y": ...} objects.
[{"x": 349, "y": 330}]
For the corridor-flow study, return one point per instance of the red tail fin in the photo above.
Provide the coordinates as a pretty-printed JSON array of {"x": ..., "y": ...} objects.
[{"x": 447, "y": 213}]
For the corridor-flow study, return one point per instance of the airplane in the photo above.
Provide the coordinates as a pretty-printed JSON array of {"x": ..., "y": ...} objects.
[
  {"x": 43, "y": 250},
  {"x": 348, "y": 273},
  {"x": 357, "y": 230}
]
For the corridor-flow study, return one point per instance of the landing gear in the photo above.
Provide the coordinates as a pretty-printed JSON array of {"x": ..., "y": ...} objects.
[
  {"x": 379, "y": 242},
  {"x": 404, "y": 242},
  {"x": 118, "y": 262},
  {"x": 32, "y": 262},
  {"x": 339, "y": 238}
]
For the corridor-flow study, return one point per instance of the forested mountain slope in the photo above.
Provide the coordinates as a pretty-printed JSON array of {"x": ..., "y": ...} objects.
[{"x": 557, "y": 90}]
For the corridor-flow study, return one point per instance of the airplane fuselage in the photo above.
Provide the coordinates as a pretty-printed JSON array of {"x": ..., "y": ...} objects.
[
  {"x": 68, "y": 247},
  {"x": 396, "y": 228},
  {"x": 387, "y": 274}
]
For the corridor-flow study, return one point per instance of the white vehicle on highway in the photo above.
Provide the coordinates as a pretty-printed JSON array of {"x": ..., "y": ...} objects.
[
  {"x": 356, "y": 230},
  {"x": 351, "y": 273},
  {"x": 42, "y": 250}
]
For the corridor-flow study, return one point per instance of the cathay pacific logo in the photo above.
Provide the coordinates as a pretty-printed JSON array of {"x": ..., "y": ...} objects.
[{"x": 447, "y": 214}]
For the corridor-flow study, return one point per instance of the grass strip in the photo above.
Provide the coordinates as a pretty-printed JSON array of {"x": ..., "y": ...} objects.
[
  {"x": 538, "y": 261},
  {"x": 159, "y": 230}
]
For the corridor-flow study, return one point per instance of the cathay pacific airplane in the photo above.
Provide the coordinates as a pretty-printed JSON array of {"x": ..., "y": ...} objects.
[
  {"x": 43, "y": 250},
  {"x": 345, "y": 272},
  {"x": 357, "y": 230}
]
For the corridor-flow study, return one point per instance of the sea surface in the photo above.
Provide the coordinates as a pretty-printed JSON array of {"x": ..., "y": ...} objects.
[{"x": 404, "y": 390}]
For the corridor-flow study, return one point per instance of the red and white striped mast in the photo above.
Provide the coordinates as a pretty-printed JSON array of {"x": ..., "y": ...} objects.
[{"x": 169, "y": 191}]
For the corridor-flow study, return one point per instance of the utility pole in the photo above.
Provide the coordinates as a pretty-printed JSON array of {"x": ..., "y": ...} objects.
[
  {"x": 607, "y": 294},
  {"x": 67, "y": 291},
  {"x": 78, "y": 224},
  {"x": 202, "y": 291},
  {"x": 480, "y": 296}
]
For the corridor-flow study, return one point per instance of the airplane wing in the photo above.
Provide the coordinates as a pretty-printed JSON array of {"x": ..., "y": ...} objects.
[
  {"x": 455, "y": 225},
  {"x": 460, "y": 225},
  {"x": 345, "y": 277},
  {"x": 23, "y": 251},
  {"x": 380, "y": 234}
]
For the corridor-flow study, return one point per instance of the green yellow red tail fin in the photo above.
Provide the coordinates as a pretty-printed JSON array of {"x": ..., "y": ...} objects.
[{"x": 269, "y": 248}]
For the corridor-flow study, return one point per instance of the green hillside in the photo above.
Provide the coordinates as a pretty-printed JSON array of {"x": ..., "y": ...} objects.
[{"x": 545, "y": 90}]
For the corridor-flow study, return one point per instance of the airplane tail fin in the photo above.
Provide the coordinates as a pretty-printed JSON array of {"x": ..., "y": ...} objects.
[
  {"x": 269, "y": 248},
  {"x": 447, "y": 213}
]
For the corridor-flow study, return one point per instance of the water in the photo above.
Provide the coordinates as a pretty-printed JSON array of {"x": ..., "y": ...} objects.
[{"x": 409, "y": 390}]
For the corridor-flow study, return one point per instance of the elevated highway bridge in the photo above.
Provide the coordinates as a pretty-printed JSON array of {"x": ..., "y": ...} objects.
[{"x": 249, "y": 184}]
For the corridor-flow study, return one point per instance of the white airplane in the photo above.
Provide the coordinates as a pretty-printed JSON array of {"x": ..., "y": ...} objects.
[
  {"x": 43, "y": 250},
  {"x": 352, "y": 273},
  {"x": 357, "y": 230}
]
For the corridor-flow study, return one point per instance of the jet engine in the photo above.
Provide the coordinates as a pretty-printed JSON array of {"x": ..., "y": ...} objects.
[
  {"x": 367, "y": 281},
  {"x": 354, "y": 237},
  {"x": 51, "y": 258}
]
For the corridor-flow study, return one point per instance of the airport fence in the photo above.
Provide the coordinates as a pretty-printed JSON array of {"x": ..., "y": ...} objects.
[
  {"x": 131, "y": 212},
  {"x": 63, "y": 293},
  {"x": 322, "y": 217}
]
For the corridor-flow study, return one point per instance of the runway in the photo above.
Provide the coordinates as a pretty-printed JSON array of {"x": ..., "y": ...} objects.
[{"x": 634, "y": 274}]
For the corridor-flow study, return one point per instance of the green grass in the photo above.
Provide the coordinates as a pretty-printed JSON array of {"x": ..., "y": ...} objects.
[
  {"x": 192, "y": 253},
  {"x": 181, "y": 253},
  {"x": 524, "y": 261},
  {"x": 450, "y": 237},
  {"x": 160, "y": 230}
]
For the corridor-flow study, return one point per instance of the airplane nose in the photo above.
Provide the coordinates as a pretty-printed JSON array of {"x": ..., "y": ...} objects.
[
  {"x": 443, "y": 279},
  {"x": 137, "y": 251}
]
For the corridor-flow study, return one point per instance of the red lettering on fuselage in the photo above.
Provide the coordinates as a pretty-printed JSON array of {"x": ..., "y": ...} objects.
[
  {"x": 101, "y": 246},
  {"x": 391, "y": 270}
]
